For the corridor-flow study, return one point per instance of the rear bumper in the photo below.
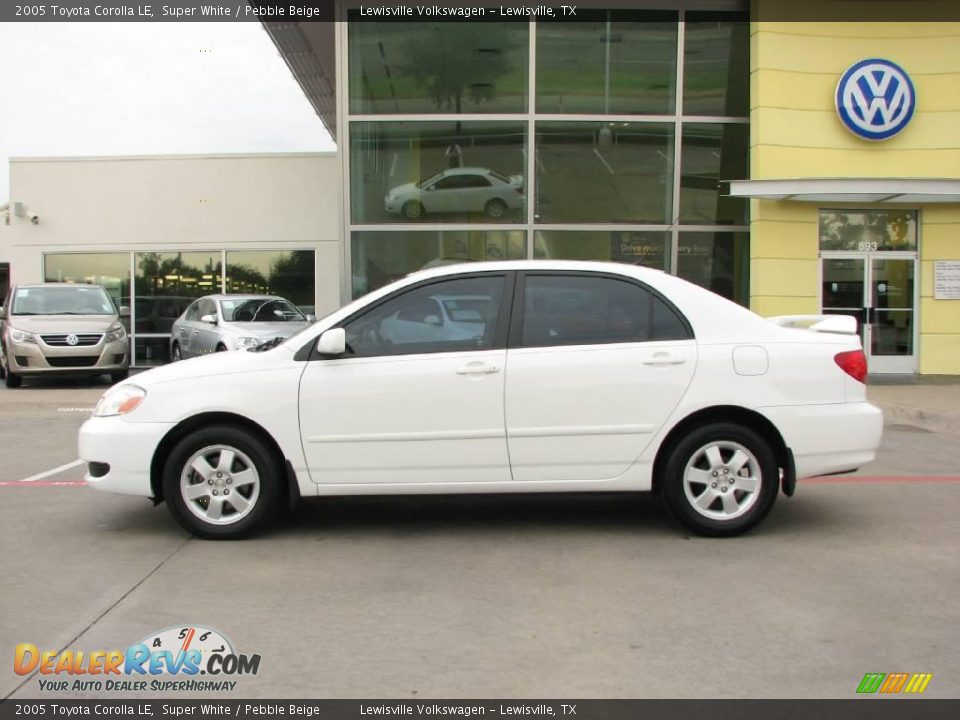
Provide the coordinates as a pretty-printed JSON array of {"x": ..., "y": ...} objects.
[
  {"x": 127, "y": 448},
  {"x": 829, "y": 439}
]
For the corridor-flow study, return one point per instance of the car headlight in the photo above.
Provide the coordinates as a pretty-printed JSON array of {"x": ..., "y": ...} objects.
[
  {"x": 22, "y": 336},
  {"x": 246, "y": 343},
  {"x": 117, "y": 333},
  {"x": 120, "y": 400}
]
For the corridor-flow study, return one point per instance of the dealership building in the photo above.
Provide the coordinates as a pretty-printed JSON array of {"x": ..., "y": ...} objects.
[{"x": 795, "y": 167}]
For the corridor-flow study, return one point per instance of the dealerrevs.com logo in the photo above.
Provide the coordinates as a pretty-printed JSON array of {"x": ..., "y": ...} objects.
[{"x": 189, "y": 658}]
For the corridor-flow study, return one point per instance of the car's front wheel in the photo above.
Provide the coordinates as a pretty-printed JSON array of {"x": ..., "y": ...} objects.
[
  {"x": 176, "y": 355},
  {"x": 222, "y": 483},
  {"x": 721, "y": 479},
  {"x": 495, "y": 208},
  {"x": 412, "y": 210}
]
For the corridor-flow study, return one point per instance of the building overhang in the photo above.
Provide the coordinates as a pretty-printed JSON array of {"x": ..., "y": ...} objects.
[{"x": 880, "y": 191}]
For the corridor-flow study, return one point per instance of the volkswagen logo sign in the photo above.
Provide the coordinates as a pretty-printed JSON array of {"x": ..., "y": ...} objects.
[
  {"x": 875, "y": 99},
  {"x": 72, "y": 339}
]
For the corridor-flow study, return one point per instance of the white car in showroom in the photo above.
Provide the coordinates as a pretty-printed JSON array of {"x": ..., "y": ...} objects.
[
  {"x": 582, "y": 377},
  {"x": 458, "y": 190}
]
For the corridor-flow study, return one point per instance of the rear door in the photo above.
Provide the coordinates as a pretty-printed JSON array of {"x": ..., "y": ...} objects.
[{"x": 596, "y": 363}]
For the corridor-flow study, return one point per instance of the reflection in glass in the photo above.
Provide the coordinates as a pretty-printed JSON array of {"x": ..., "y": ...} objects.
[
  {"x": 287, "y": 273},
  {"x": 710, "y": 154},
  {"x": 608, "y": 61},
  {"x": 109, "y": 270},
  {"x": 167, "y": 282},
  {"x": 604, "y": 172},
  {"x": 868, "y": 230},
  {"x": 716, "y": 65},
  {"x": 437, "y": 172},
  {"x": 151, "y": 351},
  {"x": 445, "y": 67},
  {"x": 892, "y": 297},
  {"x": 635, "y": 247},
  {"x": 379, "y": 258},
  {"x": 718, "y": 261}
]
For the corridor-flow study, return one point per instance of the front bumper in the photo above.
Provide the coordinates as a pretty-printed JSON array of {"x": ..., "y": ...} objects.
[
  {"x": 42, "y": 359},
  {"x": 127, "y": 448}
]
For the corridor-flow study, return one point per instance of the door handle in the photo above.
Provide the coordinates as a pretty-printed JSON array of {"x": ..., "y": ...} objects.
[
  {"x": 664, "y": 359},
  {"x": 477, "y": 369}
]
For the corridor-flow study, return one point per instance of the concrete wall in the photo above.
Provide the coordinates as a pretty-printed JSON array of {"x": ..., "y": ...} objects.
[
  {"x": 253, "y": 202},
  {"x": 795, "y": 133}
]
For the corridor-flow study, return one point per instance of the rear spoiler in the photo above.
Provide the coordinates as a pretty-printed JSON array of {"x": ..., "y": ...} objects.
[{"x": 840, "y": 324}]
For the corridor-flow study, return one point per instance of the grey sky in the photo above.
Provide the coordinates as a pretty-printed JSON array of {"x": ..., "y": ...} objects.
[{"x": 147, "y": 88}]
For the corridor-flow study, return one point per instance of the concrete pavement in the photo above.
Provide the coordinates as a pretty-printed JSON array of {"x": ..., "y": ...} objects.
[{"x": 930, "y": 402}]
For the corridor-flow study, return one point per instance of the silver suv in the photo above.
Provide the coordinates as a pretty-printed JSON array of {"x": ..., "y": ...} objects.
[{"x": 61, "y": 329}]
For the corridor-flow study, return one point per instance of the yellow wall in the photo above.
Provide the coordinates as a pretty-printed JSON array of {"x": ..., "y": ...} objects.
[{"x": 795, "y": 133}]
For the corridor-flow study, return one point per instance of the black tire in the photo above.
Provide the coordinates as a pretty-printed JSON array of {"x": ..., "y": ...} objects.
[
  {"x": 746, "y": 507},
  {"x": 495, "y": 208},
  {"x": 176, "y": 355},
  {"x": 120, "y": 376},
  {"x": 412, "y": 210},
  {"x": 221, "y": 348},
  {"x": 12, "y": 381},
  {"x": 265, "y": 505}
]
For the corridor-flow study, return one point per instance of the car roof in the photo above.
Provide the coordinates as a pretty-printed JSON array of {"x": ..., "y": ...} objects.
[
  {"x": 466, "y": 170},
  {"x": 57, "y": 284},
  {"x": 239, "y": 296}
]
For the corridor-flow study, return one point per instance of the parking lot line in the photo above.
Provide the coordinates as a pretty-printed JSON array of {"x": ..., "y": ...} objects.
[
  {"x": 54, "y": 471},
  {"x": 43, "y": 483}
]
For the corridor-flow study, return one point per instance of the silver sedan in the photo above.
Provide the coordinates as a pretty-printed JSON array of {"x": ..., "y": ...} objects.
[{"x": 216, "y": 323}]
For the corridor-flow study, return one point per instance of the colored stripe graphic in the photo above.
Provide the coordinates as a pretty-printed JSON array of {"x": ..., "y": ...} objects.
[
  {"x": 918, "y": 682},
  {"x": 894, "y": 682},
  {"x": 871, "y": 682}
]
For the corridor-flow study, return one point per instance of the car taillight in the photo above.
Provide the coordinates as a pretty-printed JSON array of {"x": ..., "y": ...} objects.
[{"x": 853, "y": 363}]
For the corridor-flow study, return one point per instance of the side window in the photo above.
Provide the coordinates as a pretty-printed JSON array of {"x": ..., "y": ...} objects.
[
  {"x": 425, "y": 319},
  {"x": 193, "y": 312},
  {"x": 475, "y": 181},
  {"x": 207, "y": 307},
  {"x": 448, "y": 183},
  {"x": 579, "y": 310}
]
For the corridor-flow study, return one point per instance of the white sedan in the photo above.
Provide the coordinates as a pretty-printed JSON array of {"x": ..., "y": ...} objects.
[
  {"x": 458, "y": 190},
  {"x": 579, "y": 377}
]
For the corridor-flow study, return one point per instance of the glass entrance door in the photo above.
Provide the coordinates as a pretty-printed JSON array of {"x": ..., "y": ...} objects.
[{"x": 878, "y": 289}]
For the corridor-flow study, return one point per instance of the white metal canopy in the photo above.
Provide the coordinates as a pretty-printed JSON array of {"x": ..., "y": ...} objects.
[{"x": 859, "y": 190}]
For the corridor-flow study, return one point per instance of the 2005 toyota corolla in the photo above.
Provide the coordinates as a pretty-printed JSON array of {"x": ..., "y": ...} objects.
[{"x": 528, "y": 376}]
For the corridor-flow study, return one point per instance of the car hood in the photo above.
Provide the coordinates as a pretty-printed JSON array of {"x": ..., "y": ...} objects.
[
  {"x": 404, "y": 189},
  {"x": 266, "y": 330},
  {"x": 62, "y": 324},
  {"x": 222, "y": 363}
]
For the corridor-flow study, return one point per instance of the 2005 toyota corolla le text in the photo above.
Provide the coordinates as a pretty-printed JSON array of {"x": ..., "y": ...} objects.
[{"x": 527, "y": 376}]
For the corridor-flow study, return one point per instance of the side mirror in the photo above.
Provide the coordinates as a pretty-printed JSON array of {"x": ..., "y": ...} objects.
[
  {"x": 332, "y": 342},
  {"x": 124, "y": 311},
  {"x": 212, "y": 319},
  {"x": 311, "y": 318},
  {"x": 433, "y": 320}
]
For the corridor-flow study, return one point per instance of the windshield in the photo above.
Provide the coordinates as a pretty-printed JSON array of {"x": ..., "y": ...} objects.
[
  {"x": 429, "y": 179},
  {"x": 62, "y": 300},
  {"x": 260, "y": 310}
]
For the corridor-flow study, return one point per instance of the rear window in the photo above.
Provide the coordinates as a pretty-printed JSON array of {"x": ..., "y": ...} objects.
[{"x": 62, "y": 300}]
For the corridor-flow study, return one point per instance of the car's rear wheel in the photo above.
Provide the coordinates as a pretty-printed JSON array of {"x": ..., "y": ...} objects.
[
  {"x": 495, "y": 208},
  {"x": 412, "y": 210},
  {"x": 222, "y": 483},
  {"x": 720, "y": 479},
  {"x": 176, "y": 355}
]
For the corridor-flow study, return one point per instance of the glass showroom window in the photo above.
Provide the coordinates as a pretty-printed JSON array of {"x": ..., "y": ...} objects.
[
  {"x": 451, "y": 172},
  {"x": 291, "y": 274},
  {"x": 165, "y": 283},
  {"x": 868, "y": 230},
  {"x": 716, "y": 65},
  {"x": 611, "y": 62},
  {"x": 444, "y": 67},
  {"x": 710, "y": 154},
  {"x": 604, "y": 172},
  {"x": 109, "y": 270},
  {"x": 650, "y": 248},
  {"x": 718, "y": 261},
  {"x": 382, "y": 257}
]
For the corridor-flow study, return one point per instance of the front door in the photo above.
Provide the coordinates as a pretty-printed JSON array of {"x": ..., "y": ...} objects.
[
  {"x": 418, "y": 397},
  {"x": 879, "y": 289}
]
